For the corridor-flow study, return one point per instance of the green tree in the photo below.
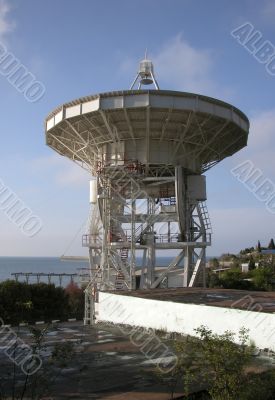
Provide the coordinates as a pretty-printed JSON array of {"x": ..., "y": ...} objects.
[
  {"x": 213, "y": 280},
  {"x": 259, "y": 247},
  {"x": 212, "y": 366},
  {"x": 75, "y": 300},
  {"x": 49, "y": 302},
  {"x": 262, "y": 278},
  {"x": 13, "y": 296},
  {"x": 251, "y": 263},
  {"x": 234, "y": 279},
  {"x": 213, "y": 362},
  {"x": 32, "y": 302},
  {"x": 259, "y": 386},
  {"x": 215, "y": 263},
  {"x": 224, "y": 362},
  {"x": 187, "y": 372}
]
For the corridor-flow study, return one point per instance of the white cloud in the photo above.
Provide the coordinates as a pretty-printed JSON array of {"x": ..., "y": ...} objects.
[
  {"x": 262, "y": 130},
  {"x": 236, "y": 228},
  {"x": 184, "y": 67},
  {"x": 261, "y": 143},
  {"x": 66, "y": 173},
  {"x": 6, "y": 25},
  {"x": 268, "y": 10},
  {"x": 181, "y": 66}
]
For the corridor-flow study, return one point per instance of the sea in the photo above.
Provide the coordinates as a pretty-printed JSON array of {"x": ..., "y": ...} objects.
[{"x": 11, "y": 265}]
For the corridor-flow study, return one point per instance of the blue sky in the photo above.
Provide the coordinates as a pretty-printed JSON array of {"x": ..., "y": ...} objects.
[{"x": 78, "y": 48}]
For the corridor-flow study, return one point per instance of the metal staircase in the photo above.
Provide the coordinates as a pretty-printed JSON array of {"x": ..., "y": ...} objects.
[
  {"x": 172, "y": 201},
  {"x": 198, "y": 274},
  {"x": 121, "y": 268},
  {"x": 90, "y": 298},
  {"x": 205, "y": 216},
  {"x": 120, "y": 277},
  {"x": 120, "y": 281}
]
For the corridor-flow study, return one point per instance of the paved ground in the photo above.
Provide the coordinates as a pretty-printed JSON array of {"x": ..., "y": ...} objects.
[
  {"x": 241, "y": 299},
  {"x": 105, "y": 365}
]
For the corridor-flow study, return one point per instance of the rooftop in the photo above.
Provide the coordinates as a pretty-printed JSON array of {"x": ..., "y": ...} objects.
[{"x": 239, "y": 299}]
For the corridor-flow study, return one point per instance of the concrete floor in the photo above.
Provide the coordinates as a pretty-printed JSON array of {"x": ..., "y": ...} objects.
[{"x": 105, "y": 365}]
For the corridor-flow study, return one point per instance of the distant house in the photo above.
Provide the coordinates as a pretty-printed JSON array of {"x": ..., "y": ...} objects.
[
  {"x": 268, "y": 251},
  {"x": 221, "y": 269},
  {"x": 226, "y": 264},
  {"x": 245, "y": 266}
]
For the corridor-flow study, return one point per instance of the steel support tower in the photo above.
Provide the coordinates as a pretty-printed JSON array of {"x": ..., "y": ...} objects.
[{"x": 147, "y": 151}]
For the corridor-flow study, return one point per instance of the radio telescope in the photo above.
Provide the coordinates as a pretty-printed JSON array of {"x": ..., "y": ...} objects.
[{"x": 147, "y": 151}]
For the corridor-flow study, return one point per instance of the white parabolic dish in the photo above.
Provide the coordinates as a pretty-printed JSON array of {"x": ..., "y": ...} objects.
[{"x": 153, "y": 126}]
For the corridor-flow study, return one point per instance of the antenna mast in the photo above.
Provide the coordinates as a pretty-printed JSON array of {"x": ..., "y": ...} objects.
[{"x": 145, "y": 75}]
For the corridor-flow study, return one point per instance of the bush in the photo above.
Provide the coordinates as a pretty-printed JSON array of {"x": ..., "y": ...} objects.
[
  {"x": 75, "y": 299},
  {"x": 15, "y": 298},
  {"x": 21, "y": 302},
  {"x": 259, "y": 387},
  {"x": 262, "y": 278},
  {"x": 49, "y": 302},
  {"x": 234, "y": 279},
  {"x": 216, "y": 365}
]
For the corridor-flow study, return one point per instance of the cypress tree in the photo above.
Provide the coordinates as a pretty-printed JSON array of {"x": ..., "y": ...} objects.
[{"x": 259, "y": 247}]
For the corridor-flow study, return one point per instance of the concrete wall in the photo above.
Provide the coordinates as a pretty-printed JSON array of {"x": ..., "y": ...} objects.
[{"x": 184, "y": 318}]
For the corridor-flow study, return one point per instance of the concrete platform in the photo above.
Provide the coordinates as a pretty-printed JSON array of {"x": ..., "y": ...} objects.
[{"x": 105, "y": 364}]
